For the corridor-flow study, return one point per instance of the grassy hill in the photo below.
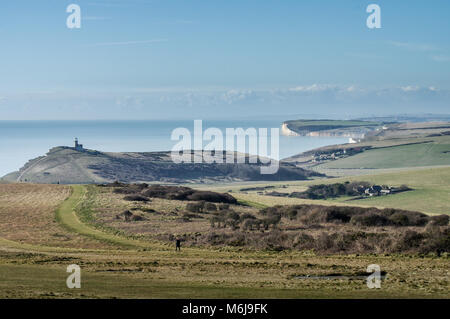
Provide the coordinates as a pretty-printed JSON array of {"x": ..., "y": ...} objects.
[
  {"x": 393, "y": 146},
  {"x": 38, "y": 248},
  {"x": 304, "y": 127},
  {"x": 430, "y": 194},
  {"x": 435, "y": 151},
  {"x": 66, "y": 165}
]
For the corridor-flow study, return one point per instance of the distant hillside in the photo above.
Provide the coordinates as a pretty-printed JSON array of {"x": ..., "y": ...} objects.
[
  {"x": 397, "y": 145},
  {"x": 353, "y": 128},
  {"x": 67, "y": 165}
]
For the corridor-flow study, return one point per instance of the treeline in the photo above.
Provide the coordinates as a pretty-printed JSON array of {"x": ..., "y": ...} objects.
[
  {"x": 355, "y": 230},
  {"x": 358, "y": 216},
  {"x": 433, "y": 239},
  {"x": 325, "y": 191},
  {"x": 143, "y": 192}
]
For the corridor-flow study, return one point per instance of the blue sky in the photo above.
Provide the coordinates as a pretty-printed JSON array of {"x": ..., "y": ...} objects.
[{"x": 140, "y": 59}]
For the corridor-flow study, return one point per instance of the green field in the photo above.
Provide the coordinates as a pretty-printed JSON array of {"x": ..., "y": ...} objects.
[
  {"x": 320, "y": 125},
  {"x": 414, "y": 155},
  {"x": 338, "y": 123},
  {"x": 118, "y": 266},
  {"x": 430, "y": 194}
]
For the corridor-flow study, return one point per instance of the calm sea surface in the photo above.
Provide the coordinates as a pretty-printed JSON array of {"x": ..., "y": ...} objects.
[{"x": 21, "y": 141}]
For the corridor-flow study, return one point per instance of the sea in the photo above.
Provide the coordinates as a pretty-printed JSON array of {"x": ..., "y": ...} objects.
[{"x": 21, "y": 141}]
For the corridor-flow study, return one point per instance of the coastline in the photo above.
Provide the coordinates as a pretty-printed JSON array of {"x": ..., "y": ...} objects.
[{"x": 28, "y": 140}]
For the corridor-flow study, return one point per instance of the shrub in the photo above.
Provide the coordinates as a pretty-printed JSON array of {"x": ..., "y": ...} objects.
[
  {"x": 249, "y": 224},
  {"x": 187, "y": 215},
  {"x": 324, "y": 242},
  {"x": 129, "y": 216},
  {"x": 212, "y": 197},
  {"x": 168, "y": 192},
  {"x": 437, "y": 240},
  {"x": 271, "y": 220},
  {"x": 440, "y": 220},
  {"x": 410, "y": 240},
  {"x": 416, "y": 219},
  {"x": 370, "y": 219},
  {"x": 246, "y": 216},
  {"x": 303, "y": 241},
  {"x": 219, "y": 220},
  {"x": 292, "y": 213},
  {"x": 399, "y": 219},
  {"x": 232, "y": 215},
  {"x": 210, "y": 207},
  {"x": 128, "y": 189},
  {"x": 223, "y": 206},
  {"x": 136, "y": 198},
  {"x": 195, "y": 207}
]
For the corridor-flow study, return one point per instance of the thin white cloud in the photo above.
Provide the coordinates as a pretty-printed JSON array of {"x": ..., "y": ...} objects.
[
  {"x": 414, "y": 46},
  {"x": 422, "y": 47},
  {"x": 160, "y": 101},
  {"x": 409, "y": 88},
  {"x": 440, "y": 58},
  {"x": 312, "y": 88},
  {"x": 94, "y": 18},
  {"x": 129, "y": 42}
]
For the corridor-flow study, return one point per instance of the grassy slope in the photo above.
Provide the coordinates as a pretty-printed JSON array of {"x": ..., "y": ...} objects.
[
  {"x": 431, "y": 192},
  {"x": 203, "y": 272},
  {"x": 339, "y": 123},
  {"x": 67, "y": 217},
  {"x": 415, "y": 155},
  {"x": 37, "y": 281}
]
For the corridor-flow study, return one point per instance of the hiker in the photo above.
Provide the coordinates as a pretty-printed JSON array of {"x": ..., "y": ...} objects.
[{"x": 178, "y": 245}]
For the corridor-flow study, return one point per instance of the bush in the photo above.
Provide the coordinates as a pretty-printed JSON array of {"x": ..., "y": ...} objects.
[
  {"x": 304, "y": 241},
  {"x": 249, "y": 224},
  {"x": 292, "y": 213},
  {"x": 246, "y": 216},
  {"x": 271, "y": 220},
  {"x": 437, "y": 240},
  {"x": 136, "y": 198},
  {"x": 399, "y": 219},
  {"x": 186, "y": 193},
  {"x": 128, "y": 189},
  {"x": 210, "y": 207},
  {"x": 223, "y": 206},
  {"x": 410, "y": 240},
  {"x": 440, "y": 220},
  {"x": 195, "y": 207},
  {"x": 324, "y": 242},
  {"x": 129, "y": 216},
  {"x": 212, "y": 197},
  {"x": 370, "y": 219},
  {"x": 233, "y": 215},
  {"x": 187, "y": 215}
]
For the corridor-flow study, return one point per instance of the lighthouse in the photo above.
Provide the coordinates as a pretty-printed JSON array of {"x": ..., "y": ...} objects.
[{"x": 78, "y": 147}]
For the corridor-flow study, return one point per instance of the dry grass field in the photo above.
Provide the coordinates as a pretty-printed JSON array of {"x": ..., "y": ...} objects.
[
  {"x": 155, "y": 270},
  {"x": 27, "y": 215},
  {"x": 161, "y": 217},
  {"x": 223, "y": 273}
]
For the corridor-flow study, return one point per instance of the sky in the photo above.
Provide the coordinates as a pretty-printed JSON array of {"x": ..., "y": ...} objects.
[{"x": 163, "y": 59}]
